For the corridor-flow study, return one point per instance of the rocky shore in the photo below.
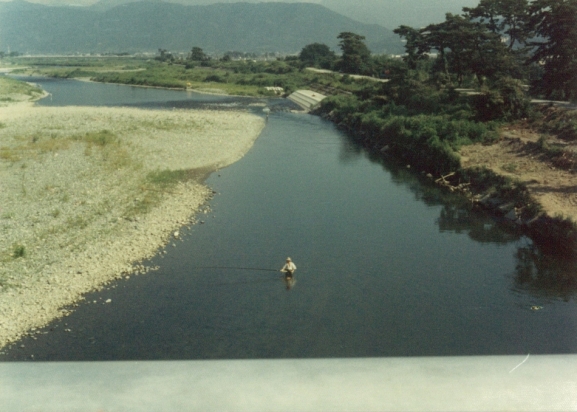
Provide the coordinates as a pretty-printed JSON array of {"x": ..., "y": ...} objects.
[{"x": 87, "y": 193}]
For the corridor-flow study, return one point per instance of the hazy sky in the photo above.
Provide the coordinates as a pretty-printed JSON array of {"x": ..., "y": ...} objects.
[{"x": 388, "y": 13}]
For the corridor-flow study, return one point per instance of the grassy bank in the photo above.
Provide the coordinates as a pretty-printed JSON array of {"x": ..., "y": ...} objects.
[
  {"x": 425, "y": 127},
  {"x": 415, "y": 118},
  {"x": 15, "y": 91},
  {"x": 240, "y": 77},
  {"x": 427, "y": 141}
]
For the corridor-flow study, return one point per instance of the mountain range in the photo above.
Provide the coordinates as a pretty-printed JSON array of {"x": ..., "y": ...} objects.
[
  {"x": 149, "y": 25},
  {"x": 387, "y": 13}
]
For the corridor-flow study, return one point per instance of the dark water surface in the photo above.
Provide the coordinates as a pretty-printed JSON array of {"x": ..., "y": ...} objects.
[{"x": 387, "y": 265}]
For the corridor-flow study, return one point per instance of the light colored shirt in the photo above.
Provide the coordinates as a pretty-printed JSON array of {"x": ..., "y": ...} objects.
[{"x": 290, "y": 266}]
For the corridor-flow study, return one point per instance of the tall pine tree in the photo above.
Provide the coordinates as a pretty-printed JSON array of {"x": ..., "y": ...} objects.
[{"x": 555, "y": 23}]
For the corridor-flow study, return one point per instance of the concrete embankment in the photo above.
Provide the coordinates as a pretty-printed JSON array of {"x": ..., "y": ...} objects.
[{"x": 307, "y": 99}]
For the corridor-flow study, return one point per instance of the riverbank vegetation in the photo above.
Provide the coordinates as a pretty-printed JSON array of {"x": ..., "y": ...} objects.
[
  {"x": 460, "y": 83},
  {"x": 13, "y": 90},
  {"x": 241, "y": 77}
]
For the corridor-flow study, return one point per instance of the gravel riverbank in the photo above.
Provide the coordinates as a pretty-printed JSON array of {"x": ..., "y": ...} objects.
[{"x": 87, "y": 193}]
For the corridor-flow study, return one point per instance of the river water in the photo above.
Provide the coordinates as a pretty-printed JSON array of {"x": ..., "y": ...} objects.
[{"x": 388, "y": 265}]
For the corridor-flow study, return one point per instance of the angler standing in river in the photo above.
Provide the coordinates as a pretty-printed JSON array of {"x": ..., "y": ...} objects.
[{"x": 289, "y": 268}]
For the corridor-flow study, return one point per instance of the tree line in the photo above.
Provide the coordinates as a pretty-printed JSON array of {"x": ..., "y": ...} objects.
[
  {"x": 533, "y": 42},
  {"x": 9, "y": 54},
  {"x": 503, "y": 44}
]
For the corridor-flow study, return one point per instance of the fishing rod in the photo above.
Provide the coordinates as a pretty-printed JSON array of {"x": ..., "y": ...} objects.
[
  {"x": 234, "y": 267},
  {"x": 243, "y": 282}
]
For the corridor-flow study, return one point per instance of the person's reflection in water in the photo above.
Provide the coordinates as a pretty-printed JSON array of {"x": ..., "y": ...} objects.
[
  {"x": 289, "y": 281},
  {"x": 289, "y": 270}
]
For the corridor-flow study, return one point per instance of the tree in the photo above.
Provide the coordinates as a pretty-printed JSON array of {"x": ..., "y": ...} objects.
[
  {"x": 164, "y": 55},
  {"x": 317, "y": 55},
  {"x": 356, "y": 57},
  {"x": 555, "y": 21},
  {"x": 197, "y": 54},
  {"x": 505, "y": 17},
  {"x": 477, "y": 50},
  {"x": 415, "y": 45},
  {"x": 463, "y": 46}
]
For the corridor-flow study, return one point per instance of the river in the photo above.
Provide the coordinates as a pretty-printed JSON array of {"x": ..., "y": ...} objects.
[{"x": 388, "y": 265}]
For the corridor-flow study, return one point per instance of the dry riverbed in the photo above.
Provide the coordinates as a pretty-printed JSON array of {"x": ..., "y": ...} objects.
[
  {"x": 87, "y": 193},
  {"x": 519, "y": 156}
]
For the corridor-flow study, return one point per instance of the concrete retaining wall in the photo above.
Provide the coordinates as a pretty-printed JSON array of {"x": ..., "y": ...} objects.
[{"x": 307, "y": 99}]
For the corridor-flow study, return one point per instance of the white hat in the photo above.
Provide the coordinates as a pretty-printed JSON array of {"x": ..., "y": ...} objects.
[{"x": 288, "y": 259}]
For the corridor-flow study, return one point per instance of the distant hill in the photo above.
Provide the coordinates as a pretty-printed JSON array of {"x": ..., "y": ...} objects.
[
  {"x": 147, "y": 26},
  {"x": 393, "y": 13},
  {"x": 388, "y": 13}
]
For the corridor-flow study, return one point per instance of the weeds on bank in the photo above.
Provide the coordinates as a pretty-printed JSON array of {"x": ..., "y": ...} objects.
[
  {"x": 550, "y": 150},
  {"x": 77, "y": 222},
  {"x": 112, "y": 152},
  {"x": 557, "y": 154},
  {"x": 510, "y": 167},
  {"x": 166, "y": 179},
  {"x": 101, "y": 138},
  {"x": 505, "y": 188},
  {"x": 156, "y": 184},
  {"x": 557, "y": 121},
  {"x": 13, "y": 86},
  {"x": 32, "y": 145},
  {"x": 9, "y": 154},
  {"x": 18, "y": 251},
  {"x": 166, "y": 125}
]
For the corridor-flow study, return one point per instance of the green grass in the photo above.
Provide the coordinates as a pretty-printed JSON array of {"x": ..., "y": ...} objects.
[
  {"x": 244, "y": 78},
  {"x": 111, "y": 150},
  {"x": 101, "y": 138},
  {"x": 167, "y": 179},
  {"x": 18, "y": 251},
  {"x": 429, "y": 137},
  {"x": 77, "y": 222},
  {"x": 156, "y": 184},
  {"x": 9, "y": 154},
  {"x": 69, "y": 67},
  {"x": 12, "y": 86}
]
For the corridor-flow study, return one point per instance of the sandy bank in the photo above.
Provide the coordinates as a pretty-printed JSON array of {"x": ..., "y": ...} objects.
[
  {"x": 86, "y": 193},
  {"x": 517, "y": 155}
]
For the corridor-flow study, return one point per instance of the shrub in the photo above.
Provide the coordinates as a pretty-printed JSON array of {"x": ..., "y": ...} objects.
[
  {"x": 505, "y": 101},
  {"x": 214, "y": 78}
]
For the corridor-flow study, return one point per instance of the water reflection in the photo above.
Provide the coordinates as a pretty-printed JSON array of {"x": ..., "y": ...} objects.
[
  {"x": 540, "y": 271},
  {"x": 543, "y": 275},
  {"x": 289, "y": 281},
  {"x": 350, "y": 152},
  {"x": 460, "y": 219},
  {"x": 383, "y": 274}
]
